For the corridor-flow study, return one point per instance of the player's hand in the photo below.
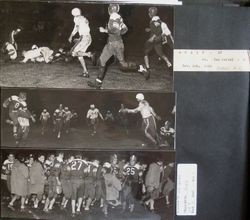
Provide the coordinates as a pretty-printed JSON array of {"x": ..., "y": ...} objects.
[
  {"x": 158, "y": 117},
  {"x": 4, "y": 105},
  {"x": 70, "y": 39},
  {"x": 151, "y": 39},
  {"x": 33, "y": 119},
  {"x": 102, "y": 30},
  {"x": 147, "y": 29}
]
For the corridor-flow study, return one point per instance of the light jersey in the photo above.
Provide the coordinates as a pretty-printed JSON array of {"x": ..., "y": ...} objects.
[
  {"x": 166, "y": 132},
  {"x": 15, "y": 104},
  {"x": 132, "y": 172},
  {"x": 11, "y": 50},
  {"x": 145, "y": 109},
  {"x": 78, "y": 169},
  {"x": 6, "y": 169},
  {"x": 58, "y": 115},
  {"x": 93, "y": 114},
  {"x": 82, "y": 25},
  {"x": 45, "y": 116},
  {"x": 68, "y": 115}
]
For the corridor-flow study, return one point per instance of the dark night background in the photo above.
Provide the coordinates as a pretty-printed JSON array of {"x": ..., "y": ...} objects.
[
  {"x": 79, "y": 100},
  {"x": 50, "y": 24}
]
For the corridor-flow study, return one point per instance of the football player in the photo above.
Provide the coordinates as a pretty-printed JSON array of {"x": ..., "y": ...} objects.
[
  {"x": 132, "y": 173},
  {"x": 167, "y": 134},
  {"x": 10, "y": 47},
  {"x": 154, "y": 42},
  {"x": 148, "y": 118},
  {"x": 123, "y": 118},
  {"x": 58, "y": 118},
  {"x": 44, "y": 117},
  {"x": 81, "y": 45},
  {"x": 5, "y": 174},
  {"x": 54, "y": 182},
  {"x": 17, "y": 108},
  {"x": 78, "y": 173},
  {"x": 65, "y": 180},
  {"x": 92, "y": 117},
  {"x": 114, "y": 47},
  {"x": 67, "y": 118}
]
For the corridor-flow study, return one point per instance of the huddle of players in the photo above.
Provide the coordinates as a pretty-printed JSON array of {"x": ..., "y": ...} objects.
[
  {"x": 83, "y": 182},
  {"x": 115, "y": 29}
]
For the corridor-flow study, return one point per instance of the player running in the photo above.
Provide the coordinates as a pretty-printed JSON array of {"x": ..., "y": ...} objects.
[
  {"x": 44, "y": 117},
  {"x": 155, "y": 41},
  {"x": 83, "y": 42},
  {"x": 67, "y": 118},
  {"x": 17, "y": 109},
  {"x": 58, "y": 118},
  {"x": 114, "y": 47},
  {"x": 93, "y": 115},
  {"x": 148, "y": 115}
]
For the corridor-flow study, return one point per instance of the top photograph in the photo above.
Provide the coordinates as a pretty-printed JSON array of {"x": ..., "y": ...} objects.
[{"x": 86, "y": 46}]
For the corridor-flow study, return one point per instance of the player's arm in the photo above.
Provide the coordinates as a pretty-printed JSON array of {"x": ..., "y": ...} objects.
[
  {"x": 154, "y": 114},
  {"x": 7, "y": 102},
  {"x": 100, "y": 115},
  {"x": 74, "y": 31},
  {"x": 135, "y": 110},
  {"x": 88, "y": 114}
]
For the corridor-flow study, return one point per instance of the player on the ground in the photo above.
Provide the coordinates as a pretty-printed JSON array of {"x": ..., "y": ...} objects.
[
  {"x": 17, "y": 108},
  {"x": 168, "y": 135},
  {"x": 93, "y": 115},
  {"x": 157, "y": 36},
  {"x": 148, "y": 115},
  {"x": 53, "y": 182},
  {"x": 114, "y": 47},
  {"x": 44, "y": 117},
  {"x": 132, "y": 173},
  {"x": 83, "y": 42}
]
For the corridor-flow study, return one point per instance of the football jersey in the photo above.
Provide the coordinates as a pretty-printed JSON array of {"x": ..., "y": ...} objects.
[
  {"x": 116, "y": 27},
  {"x": 65, "y": 171},
  {"x": 132, "y": 172},
  {"x": 78, "y": 169},
  {"x": 15, "y": 104},
  {"x": 155, "y": 26},
  {"x": 67, "y": 115},
  {"x": 93, "y": 114},
  {"x": 6, "y": 169},
  {"x": 47, "y": 166},
  {"x": 93, "y": 171},
  {"x": 82, "y": 25},
  {"x": 58, "y": 115},
  {"x": 11, "y": 50},
  {"x": 56, "y": 168},
  {"x": 45, "y": 116},
  {"x": 145, "y": 109}
]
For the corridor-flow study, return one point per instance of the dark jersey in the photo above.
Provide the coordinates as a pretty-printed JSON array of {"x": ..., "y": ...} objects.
[
  {"x": 78, "y": 169},
  {"x": 65, "y": 171},
  {"x": 132, "y": 172},
  {"x": 155, "y": 28},
  {"x": 56, "y": 168},
  {"x": 15, "y": 104}
]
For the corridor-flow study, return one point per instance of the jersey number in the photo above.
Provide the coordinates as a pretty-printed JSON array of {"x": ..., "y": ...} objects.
[
  {"x": 76, "y": 165},
  {"x": 130, "y": 171},
  {"x": 17, "y": 105}
]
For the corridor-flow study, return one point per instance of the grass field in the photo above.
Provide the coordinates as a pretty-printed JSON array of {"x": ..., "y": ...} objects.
[{"x": 65, "y": 75}]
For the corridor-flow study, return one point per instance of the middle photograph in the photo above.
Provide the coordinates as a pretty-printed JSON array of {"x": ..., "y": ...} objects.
[{"x": 77, "y": 119}]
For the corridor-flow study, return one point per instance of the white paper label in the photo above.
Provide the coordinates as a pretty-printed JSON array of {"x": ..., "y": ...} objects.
[
  {"x": 186, "y": 195},
  {"x": 211, "y": 60}
]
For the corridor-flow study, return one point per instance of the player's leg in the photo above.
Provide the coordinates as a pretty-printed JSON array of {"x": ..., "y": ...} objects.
[
  {"x": 73, "y": 197},
  {"x": 107, "y": 53},
  {"x": 14, "y": 118},
  {"x": 148, "y": 128},
  {"x": 159, "y": 51},
  {"x": 11, "y": 204}
]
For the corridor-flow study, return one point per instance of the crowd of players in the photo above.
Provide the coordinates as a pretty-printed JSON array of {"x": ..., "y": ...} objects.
[
  {"x": 159, "y": 34},
  {"x": 20, "y": 115},
  {"x": 75, "y": 181}
]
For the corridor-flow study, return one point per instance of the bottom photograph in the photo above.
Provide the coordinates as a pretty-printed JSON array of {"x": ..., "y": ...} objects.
[{"x": 91, "y": 185}]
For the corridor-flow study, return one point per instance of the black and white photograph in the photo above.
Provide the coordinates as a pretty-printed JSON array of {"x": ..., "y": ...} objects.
[
  {"x": 43, "y": 184},
  {"x": 43, "y": 118},
  {"x": 86, "y": 45}
]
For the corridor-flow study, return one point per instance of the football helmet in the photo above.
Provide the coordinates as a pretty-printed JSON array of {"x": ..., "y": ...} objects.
[
  {"x": 113, "y": 8},
  {"x": 139, "y": 97},
  {"x": 152, "y": 11},
  {"x": 76, "y": 12}
]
